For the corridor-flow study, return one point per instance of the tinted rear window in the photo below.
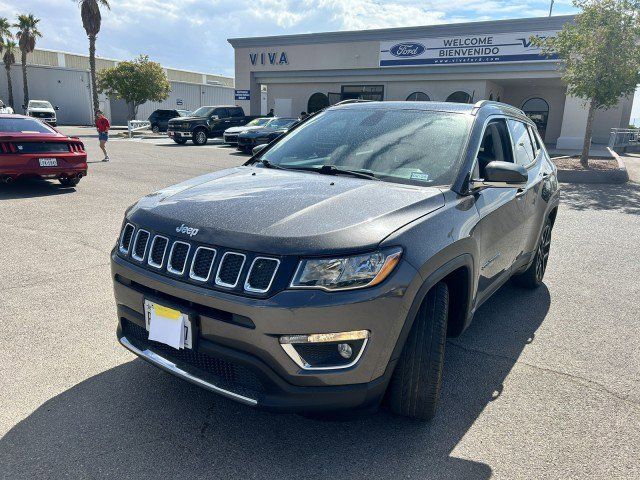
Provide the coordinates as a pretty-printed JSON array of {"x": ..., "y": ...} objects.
[{"x": 23, "y": 125}]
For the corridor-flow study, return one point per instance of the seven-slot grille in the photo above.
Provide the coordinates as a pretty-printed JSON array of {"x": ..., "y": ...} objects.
[{"x": 174, "y": 256}]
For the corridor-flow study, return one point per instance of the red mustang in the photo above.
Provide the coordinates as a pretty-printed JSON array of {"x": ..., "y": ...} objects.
[{"x": 29, "y": 148}]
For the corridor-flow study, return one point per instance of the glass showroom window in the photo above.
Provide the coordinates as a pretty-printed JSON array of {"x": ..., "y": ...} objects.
[{"x": 418, "y": 97}]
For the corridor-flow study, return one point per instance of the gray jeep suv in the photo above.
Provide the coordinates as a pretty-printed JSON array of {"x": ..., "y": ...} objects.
[{"x": 327, "y": 272}]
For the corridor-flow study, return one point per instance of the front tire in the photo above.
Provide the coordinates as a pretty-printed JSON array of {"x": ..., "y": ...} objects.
[
  {"x": 415, "y": 385},
  {"x": 532, "y": 277},
  {"x": 200, "y": 137}
]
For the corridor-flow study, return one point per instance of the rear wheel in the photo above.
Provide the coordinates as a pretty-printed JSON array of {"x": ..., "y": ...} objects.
[
  {"x": 180, "y": 141},
  {"x": 532, "y": 276},
  {"x": 199, "y": 137},
  {"x": 69, "y": 182},
  {"x": 155, "y": 128},
  {"x": 415, "y": 385}
]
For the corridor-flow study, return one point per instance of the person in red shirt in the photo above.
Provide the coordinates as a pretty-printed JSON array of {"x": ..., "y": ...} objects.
[{"x": 103, "y": 125}]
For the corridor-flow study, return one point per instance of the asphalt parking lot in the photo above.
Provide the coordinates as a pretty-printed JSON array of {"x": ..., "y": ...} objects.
[{"x": 544, "y": 384}]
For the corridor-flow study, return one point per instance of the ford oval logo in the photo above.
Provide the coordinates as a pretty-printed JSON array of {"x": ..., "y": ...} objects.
[{"x": 407, "y": 49}]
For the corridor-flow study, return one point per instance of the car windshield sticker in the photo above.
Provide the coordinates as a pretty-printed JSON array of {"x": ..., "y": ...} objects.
[{"x": 423, "y": 177}]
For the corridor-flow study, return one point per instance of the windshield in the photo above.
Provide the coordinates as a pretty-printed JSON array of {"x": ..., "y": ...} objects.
[
  {"x": 23, "y": 125},
  {"x": 37, "y": 104},
  {"x": 257, "y": 122},
  {"x": 202, "y": 112},
  {"x": 281, "y": 122},
  {"x": 406, "y": 146}
]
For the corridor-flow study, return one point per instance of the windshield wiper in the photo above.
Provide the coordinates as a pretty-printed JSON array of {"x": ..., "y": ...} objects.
[
  {"x": 268, "y": 164},
  {"x": 335, "y": 170}
]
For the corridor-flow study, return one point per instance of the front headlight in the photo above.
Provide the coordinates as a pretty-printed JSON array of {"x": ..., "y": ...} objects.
[{"x": 345, "y": 273}]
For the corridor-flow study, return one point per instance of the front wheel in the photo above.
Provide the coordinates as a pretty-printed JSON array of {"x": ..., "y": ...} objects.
[
  {"x": 199, "y": 137},
  {"x": 532, "y": 276},
  {"x": 415, "y": 385}
]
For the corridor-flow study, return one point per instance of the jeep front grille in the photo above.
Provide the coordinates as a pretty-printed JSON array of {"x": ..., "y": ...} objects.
[
  {"x": 178, "y": 257},
  {"x": 140, "y": 245},
  {"x": 163, "y": 255},
  {"x": 202, "y": 264},
  {"x": 261, "y": 274}
]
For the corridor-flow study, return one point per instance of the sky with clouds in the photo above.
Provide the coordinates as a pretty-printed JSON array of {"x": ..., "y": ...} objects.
[{"x": 192, "y": 34}]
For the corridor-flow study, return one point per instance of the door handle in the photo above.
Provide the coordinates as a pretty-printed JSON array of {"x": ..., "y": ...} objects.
[{"x": 520, "y": 192}]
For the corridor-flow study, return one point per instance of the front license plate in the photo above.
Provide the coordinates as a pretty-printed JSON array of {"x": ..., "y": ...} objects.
[
  {"x": 48, "y": 162},
  {"x": 167, "y": 325}
]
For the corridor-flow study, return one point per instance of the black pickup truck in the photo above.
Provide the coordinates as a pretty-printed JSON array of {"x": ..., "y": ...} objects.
[{"x": 205, "y": 123}]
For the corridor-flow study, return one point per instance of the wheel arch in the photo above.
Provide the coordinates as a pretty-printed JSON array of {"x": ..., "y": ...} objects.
[{"x": 457, "y": 273}]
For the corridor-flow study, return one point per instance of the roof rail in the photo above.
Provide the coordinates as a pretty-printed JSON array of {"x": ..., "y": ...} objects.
[
  {"x": 352, "y": 100},
  {"x": 483, "y": 103}
]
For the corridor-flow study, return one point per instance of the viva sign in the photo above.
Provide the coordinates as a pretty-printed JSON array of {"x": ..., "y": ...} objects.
[{"x": 269, "y": 58}]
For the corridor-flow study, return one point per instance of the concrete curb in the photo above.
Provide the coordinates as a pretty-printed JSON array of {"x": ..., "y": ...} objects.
[{"x": 619, "y": 175}]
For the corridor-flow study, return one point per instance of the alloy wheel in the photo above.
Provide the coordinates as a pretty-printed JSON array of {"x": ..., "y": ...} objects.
[{"x": 542, "y": 255}]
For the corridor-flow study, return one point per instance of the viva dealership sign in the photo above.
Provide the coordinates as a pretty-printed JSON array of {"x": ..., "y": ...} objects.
[{"x": 486, "y": 48}]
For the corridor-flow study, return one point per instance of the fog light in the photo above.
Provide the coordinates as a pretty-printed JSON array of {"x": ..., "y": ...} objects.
[
  {"x": 325, "y": 351},
  {"x": 345, "y": 350}
]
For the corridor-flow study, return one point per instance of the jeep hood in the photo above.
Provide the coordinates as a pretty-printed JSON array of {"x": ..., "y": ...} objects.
[{"x": 285, "y": 212}]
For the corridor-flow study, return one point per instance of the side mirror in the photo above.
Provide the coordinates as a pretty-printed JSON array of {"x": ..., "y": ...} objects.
[
  {"x": 214, "y": 117},
  {"x": 258, "y": 149},
  {"x": 56, "y": 107},
  {"x": 502, "y": 175}
]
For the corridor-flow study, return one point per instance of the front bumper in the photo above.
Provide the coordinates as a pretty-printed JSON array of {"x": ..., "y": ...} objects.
[
  {"x": 244, "y": 360},
  {"x": 179, "y": 134},
  {"x": 231, "y": 139}
]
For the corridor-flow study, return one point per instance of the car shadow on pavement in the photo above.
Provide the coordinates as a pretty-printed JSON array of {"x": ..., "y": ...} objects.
[
  {"x": 623, "y": 197},
  {"x": 31, "y": 188},
  {"x": 136, "y": 421}
]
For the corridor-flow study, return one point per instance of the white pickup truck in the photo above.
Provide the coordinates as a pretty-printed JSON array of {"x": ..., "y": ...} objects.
[{"x": 42, "y": 110}]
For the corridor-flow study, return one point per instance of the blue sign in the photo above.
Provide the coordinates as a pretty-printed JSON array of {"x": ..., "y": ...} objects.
[
  {"x": 179, "y": 102},
  {"x": 243, "y": 94},
  {"x": 408, "y": 49}
]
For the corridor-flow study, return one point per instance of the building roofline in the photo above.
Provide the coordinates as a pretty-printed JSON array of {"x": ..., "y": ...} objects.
[
  {"x": 448, "y": 29},
  {"x": 118, "y": 61}
]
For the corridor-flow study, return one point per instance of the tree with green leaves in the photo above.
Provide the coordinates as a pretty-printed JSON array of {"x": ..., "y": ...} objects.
[
  {"x": 91, "y": 21},
  {"x": 600, "y": 56},
  {"x": 28, "y": 32},
  {"x": 136, "y": 82},
  {"x": 9, "y": 58},
  {"x": 5, "y": 36}
]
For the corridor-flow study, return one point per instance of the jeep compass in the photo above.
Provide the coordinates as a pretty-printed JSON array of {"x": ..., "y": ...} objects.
[{"x": 327, "y": 272}]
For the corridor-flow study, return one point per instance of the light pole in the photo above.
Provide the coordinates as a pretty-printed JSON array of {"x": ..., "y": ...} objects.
[{"x": 551, "y": 8}]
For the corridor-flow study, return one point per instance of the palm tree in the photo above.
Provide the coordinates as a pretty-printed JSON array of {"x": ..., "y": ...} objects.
[
  {"x": 9, "y": 59},
  {"x": 91, "y": 20},
  {"x": 5, "y": 31},
  {"x": 27, "y": 34}
]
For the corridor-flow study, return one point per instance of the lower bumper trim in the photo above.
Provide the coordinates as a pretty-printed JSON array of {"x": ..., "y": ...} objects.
[{"x": 171, "y": 367}]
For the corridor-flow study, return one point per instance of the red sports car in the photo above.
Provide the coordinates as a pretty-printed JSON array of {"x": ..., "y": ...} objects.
[{"x": 30, "y": 148}]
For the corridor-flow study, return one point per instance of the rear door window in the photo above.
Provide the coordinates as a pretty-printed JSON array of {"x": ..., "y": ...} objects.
[
  {"x": 236, "y": 112},
  {"x": 523, "y": 148},
  {"x": 221, "y": 112}
]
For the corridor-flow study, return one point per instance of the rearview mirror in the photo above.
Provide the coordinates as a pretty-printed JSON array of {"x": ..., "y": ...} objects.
[
  {"x": 502, "y": 175},
  {"x": 258, "y": 149}
]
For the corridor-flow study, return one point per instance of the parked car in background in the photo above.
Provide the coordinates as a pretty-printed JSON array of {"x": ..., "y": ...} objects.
[
  {"x": 6, "y": 109},
  {"x": 276, "y": 127},
  {"x": 230, "y": 135},
  {"x": 42, "y": 110},
  {"x": 159, "y": 119},
  {"x": 328, "y": 272},
  {"x": 205, "y": 123},
  {"x": 31, "y": 148}
]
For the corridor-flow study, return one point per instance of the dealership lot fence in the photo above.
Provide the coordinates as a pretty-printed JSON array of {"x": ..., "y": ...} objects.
[
  {"x": 624, "y": 137},
  {"x": 136, "y": 125}
]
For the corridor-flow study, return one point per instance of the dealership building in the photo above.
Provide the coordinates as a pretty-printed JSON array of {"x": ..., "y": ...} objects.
[
  {"x": 463, "y": 62},
  {"x": 63, "y": 79}
]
